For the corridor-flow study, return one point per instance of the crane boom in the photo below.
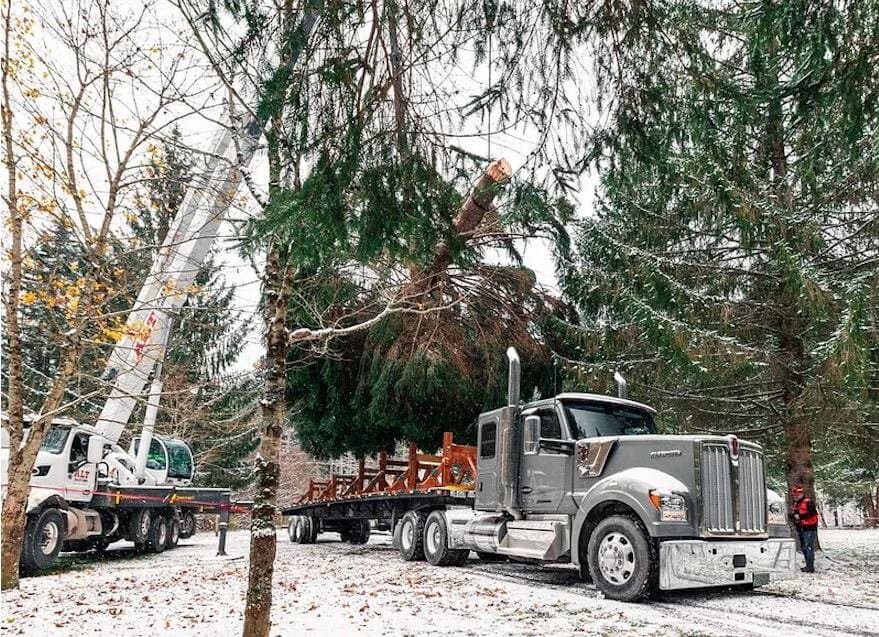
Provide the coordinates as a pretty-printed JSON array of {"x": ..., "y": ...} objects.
[
  {"x": 182, "y": 254},
  {"x": 173, "y": 273}
]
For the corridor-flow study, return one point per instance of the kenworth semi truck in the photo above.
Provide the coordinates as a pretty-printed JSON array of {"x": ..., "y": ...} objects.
[{"x": 583, "y": 479}]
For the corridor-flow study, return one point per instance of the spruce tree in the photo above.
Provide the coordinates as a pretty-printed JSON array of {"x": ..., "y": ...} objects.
[{"x": 732, "y": 262}]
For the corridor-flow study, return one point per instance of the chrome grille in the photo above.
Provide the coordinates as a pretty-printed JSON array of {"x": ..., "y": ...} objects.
[
  {"x": 717, "y": 502},
  {"x": 752, "y": 492},
  {"x": 733, "y": 496}
]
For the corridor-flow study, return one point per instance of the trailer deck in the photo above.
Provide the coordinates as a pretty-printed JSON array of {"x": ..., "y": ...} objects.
[{"x": 393, "y": 486}]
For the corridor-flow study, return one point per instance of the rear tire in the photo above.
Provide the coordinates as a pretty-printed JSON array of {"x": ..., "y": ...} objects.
[
  {"x": 412, "y": 536},
  {"x": 139, "y": 526},
  {"x": 358, "y": 532},
  {"x": 173, "y": 533},
  {"x": 43, "y": 537},
  {"x": 158, "y": 535},
  {"x": 187, "y": 524},
  {"x": 623, "y": 562},
  {"x": 436, "y": 542}
]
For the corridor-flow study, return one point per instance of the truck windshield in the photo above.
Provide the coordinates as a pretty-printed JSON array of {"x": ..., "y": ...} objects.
[
  {"x": 55, "y": 440},
  {"x": 591, "y": 420}
]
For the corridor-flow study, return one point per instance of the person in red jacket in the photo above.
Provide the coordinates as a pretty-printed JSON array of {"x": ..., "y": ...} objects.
[{"x": 805, "y": 517}]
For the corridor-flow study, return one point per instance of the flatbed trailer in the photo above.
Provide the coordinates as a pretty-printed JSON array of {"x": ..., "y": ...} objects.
[{"x": 385, "y": 493}]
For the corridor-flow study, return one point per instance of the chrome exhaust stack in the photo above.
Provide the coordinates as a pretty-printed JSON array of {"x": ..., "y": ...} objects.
[
  {"x": 514, "y": 377},
  {"x": 622, "y": 385},
  {"x": 508, "y": 439}
]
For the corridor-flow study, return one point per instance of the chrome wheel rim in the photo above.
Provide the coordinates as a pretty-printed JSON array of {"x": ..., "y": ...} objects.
[
  {"x": 50, "y": 536},
  {"x": 432, "y": 537},
  {"x": 407, "y": 536},
  {"x": 163, "y": 533},
  {"x": 145, "y": 524},
  {"x": 616, "y": 558}
]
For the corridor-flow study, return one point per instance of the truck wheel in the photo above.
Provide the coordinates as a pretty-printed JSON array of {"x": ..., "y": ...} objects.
[
  {"x": 436, "y": 543},
  {"x": 622, "y": 559},
  {"x": 491, "y": 557},
  {"x": 173, "y": 533},
  {"x": 303, "y": 529},
  {"x": 43, "y": 537},
  {"x": 187, "y": 524},
  {"x": 158, "y": 535},
  {"x": 139, "y": 526},
  {"x": 313, "y": 530},
  {"x": 412, "y": 536},
  {"x": 291, "y": 527},
  {"x": 358, "y": 532}
]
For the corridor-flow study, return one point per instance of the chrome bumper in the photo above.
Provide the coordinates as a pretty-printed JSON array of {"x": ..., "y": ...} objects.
[{"x": 701, "y": 563}]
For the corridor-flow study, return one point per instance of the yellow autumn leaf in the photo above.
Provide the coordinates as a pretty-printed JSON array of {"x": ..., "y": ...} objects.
[{"x": 28, "y": 298}]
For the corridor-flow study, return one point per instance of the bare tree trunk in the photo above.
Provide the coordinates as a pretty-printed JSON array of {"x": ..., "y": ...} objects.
[{"x": 257, "y": 620}]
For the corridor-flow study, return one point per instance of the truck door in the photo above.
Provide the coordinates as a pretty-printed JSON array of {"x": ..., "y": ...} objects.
[
  {"x": 486, "y": 482},
  {"x": 545, "y": 475},
  {"x": 80, "y": 482}
]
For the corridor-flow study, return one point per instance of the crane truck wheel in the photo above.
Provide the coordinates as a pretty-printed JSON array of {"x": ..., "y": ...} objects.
[
  {"x": 158, "y": 535},
  {"x": 436, "y": 542},
  {"x": 139, "y": 526},
  {"x": 187, "y": 524},
  {"x": 412, "y": 535},
  {"x": 43, "y": 537},
  {"x": 173, "y": 533},
  {"x": 622, "y": 560},
  {"x": 291, "y": 528}
]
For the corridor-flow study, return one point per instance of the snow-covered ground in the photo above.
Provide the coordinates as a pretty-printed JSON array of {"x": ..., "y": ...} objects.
[{"x": 333, "y": 588}]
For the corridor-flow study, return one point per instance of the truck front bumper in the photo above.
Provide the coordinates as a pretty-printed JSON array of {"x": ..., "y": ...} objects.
[{"x": 702, "y": 563}]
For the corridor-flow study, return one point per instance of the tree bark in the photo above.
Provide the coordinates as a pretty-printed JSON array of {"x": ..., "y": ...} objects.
[{"x": 257, "y": 619}]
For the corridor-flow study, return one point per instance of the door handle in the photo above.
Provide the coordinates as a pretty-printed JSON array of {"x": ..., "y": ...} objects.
[{"x": 526, "y": 489}]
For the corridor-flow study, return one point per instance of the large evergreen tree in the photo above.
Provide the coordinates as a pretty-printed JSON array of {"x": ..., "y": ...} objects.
[{"x": 732, "y": 263}]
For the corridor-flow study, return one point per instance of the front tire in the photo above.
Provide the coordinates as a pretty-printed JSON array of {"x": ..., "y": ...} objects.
[
  {"x": 622, "y": 559},
  {"x": 436, "y": 542},
  {"x": 43, "y": 538}
]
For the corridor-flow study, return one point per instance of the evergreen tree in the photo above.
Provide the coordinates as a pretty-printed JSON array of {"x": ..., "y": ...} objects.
[{"x": 732, "y": 262}]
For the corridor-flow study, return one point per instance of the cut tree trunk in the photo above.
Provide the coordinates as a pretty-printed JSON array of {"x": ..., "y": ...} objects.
[{"x": 479, "y": 203}]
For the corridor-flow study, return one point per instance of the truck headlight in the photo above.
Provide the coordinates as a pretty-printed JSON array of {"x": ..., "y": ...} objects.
[
  {"x": 672, "y": 507},
  {"x": 776, "y": 513}
]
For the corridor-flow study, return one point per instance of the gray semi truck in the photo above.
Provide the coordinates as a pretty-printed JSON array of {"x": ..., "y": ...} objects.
[{"x": 586, "y": 479}]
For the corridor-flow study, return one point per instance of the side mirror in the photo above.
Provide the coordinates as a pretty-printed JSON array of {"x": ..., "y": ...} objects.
[
  {"x": 531, "y": 437},
  {"x": 96, "y": 449}
]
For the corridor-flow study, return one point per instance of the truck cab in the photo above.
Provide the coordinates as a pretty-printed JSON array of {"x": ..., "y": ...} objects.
[{"x": 587, "y": 479}]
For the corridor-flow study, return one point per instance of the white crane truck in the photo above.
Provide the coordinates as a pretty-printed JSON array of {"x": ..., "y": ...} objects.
[{"x": 86, "y": 491}]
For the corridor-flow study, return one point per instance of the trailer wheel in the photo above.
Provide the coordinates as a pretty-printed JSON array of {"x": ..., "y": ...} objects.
[
  {"x": 358, "y": 532},
  {"x": 436, "y": 543},
  {"x": 291, "y": 527},
  {"x": 43, "y": 537},
  {"x": 313, "y": 530},
  {"x": 491, "y": 557},
  {"x": 187, "y": 524},
  {"x": 412, "y": 536},
  {"x": 622, "y": 559},
  {"x": 158, "y": 535},
  {"x": 173, "y": 533},
  {"x": 139, "y": 526},
  {"x": 303, "y": 529}
]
